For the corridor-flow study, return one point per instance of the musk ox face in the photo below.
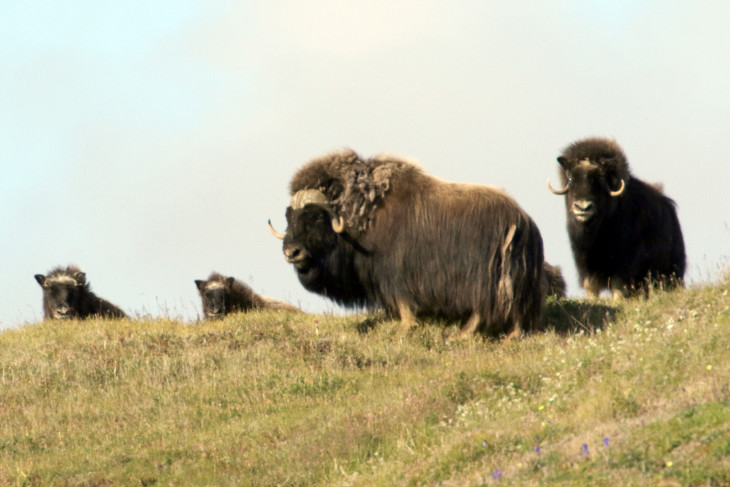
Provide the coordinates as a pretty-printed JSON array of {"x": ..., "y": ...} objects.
[
  {"x": 309, "y": 238},
  {"x": 322, "y": 253},
  {"x": 214, "y": 294},
  {"x": 62, "y": 294},
  {"x": 313, "y": 236},
  {"x": 594, "y": 175}
]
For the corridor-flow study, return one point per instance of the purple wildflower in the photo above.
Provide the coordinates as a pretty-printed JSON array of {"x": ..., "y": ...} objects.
[
  {"x": 537, "y": 449},
  {"x": 585, "y": 449},
  {"x": 605, "y": 441},
  {"x": 497, "y": 474}
]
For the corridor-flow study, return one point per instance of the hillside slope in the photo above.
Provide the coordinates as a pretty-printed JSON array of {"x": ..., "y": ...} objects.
[{"x": 634, "y": 393}]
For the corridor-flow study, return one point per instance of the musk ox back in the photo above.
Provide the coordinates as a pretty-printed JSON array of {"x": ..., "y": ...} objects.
[
  {"x": 67, "y": 295},
  {"x": 380, "y": 233},
  {"x": 223, "y": 295},
  {"x": 624, "y": 233}
]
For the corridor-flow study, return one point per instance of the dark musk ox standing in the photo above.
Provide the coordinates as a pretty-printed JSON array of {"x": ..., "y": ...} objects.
[
  {"x": 67, "y": 295},
  {"x": 624, "y": 233},
  {"x": 223, "y": 295},
  {"x": 381, "y": 233}
]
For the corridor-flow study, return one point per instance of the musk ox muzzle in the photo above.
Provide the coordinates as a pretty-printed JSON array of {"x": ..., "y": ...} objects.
[
  {"x": 295, "y": 254},
  {"x": 583, "y": 210},
  {"x": 63, "y": 313}
]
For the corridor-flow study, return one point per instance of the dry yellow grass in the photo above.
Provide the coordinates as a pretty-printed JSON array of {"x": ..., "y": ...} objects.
[{"x": 634, "y": 393}]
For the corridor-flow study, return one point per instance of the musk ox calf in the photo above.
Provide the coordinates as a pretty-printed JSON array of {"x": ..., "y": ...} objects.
[
  {"x": 553, "y": 282},
  {"x": 381, "y": 233},
  {"x": 624, "y": 233},
  {"x": 67, "y": 295},
  {"x": 223, "y": 295}
]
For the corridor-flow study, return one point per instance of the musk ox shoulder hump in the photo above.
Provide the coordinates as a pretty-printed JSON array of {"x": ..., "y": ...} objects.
[
  {"x": 353, "y": 186},
  {"x": 320, "y": 173}
]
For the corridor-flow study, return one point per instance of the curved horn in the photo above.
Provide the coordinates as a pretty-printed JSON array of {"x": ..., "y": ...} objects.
[
  {"x": 276, "y": 234},
  {"x": 338, "y": 224},
  {"x": 315, "y": 197},
  {"x": 308, "y": 196},
  {"x": 562, "y": 191},
  {"x": 619, "y": 191}
]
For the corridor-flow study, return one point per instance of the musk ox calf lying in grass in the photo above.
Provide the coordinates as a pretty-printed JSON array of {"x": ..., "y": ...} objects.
[
  {"x": 553, "y": 282},
  {"x": 67, "y": 295},
  {"x": 223, "y": 295},
  {"x": 624, "y": 233},
  {"x": 381, "y": 233}
]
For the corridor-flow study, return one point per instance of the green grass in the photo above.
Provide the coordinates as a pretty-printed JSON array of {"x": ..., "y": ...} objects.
[{"x": 629, "y": 393}]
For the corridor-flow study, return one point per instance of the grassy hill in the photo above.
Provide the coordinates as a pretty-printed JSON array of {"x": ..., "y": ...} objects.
[{"x": 633, "y": 393}]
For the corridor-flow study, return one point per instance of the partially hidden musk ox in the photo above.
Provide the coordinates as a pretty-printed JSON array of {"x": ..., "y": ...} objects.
[
  {"x": 67, "y": 295},
  {"x": 381, "y": 233},
  {"x": 624, "y": 233},
  {"x": 222, "y": 295},
  {"x": 553, "y": 281}
]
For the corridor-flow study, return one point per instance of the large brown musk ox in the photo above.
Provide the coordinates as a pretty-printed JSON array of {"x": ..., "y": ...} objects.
[
  {"x": 222, "y": 295},
  {"x": 381, "y": 233},
  {"x": 67, "y": 295},
  {"x": 624, "y": 233}
]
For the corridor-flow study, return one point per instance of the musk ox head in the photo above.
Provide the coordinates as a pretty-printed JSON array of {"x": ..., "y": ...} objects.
[
  {"x": 312, "y": 229},
  {"x": 595, "y": 174},
  {"x": 62, "y": 292},
  {"x": 334, "y": 202},
  {"x": 313, "y": 242},
  {"x": 214, "y": 294}
]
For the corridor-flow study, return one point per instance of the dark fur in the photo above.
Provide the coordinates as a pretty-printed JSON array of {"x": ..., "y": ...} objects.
[
  {"x": 553, "y": 282},
  {"x": 233, "y": 296},
  {"x": 633, "y": 241},
  {"x": 413, "y": 241},
  {"x": 67, "y": 295}
]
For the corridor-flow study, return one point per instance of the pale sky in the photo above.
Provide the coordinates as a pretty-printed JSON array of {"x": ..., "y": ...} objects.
[{"x": 149, "y": 142}]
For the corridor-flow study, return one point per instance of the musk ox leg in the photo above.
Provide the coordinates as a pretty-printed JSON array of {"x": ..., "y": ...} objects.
[
  {"x": 619, "y": 289},
  {"x": 471, "y": 326},
  {"x": 515, "y": 333},
  {"x": 592, "y": 286},
  {"x": 407, "y": 318}
]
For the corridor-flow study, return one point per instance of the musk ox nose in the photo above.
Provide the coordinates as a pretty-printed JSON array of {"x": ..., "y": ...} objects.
[
  {"x": 583, "y": 205},
  {"x": 295, "y": 253},
  {"x": 63, "y": 312},
  {"x": 583, "y": 210}
]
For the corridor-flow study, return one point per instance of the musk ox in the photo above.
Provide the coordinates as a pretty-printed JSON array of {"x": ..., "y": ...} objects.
[
  {"x": 624, "y": 233},
  {"x": 67, "y": 295},
  {"x": 553, "y": 282},
  {"x": 381, "y": 233},
  {"x": 223, "y": 295}
]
